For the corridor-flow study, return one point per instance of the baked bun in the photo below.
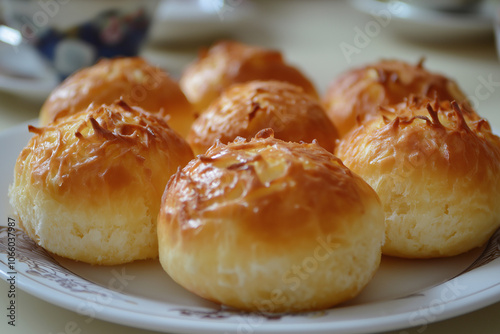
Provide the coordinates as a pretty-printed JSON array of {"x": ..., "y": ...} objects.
[
  {"x": 226, "y": 63},
  {"x": 88, "y": 186},
  {"x": 270, "y": 226},
  {"x": 438, "y": 177},
  {"x": 356, "y": 95},
  {"x": 133, "y": 80},
  {"x": 245, "y": 109}
]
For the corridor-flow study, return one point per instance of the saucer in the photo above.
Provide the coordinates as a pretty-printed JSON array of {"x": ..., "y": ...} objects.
[{"x": 25, "y": 73}]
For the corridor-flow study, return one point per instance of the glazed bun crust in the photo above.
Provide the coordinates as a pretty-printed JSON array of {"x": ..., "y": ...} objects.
[
  {"x": 88, "y": 187},
  {"x": 133, "y": 80},
  {"x": 227, "y": 63},
  {"x": 356, "y": 95},
  {"x": 438, "y": 177},
  {"x": 245, "y": 109},
  {"x": 270, "y": 226}
]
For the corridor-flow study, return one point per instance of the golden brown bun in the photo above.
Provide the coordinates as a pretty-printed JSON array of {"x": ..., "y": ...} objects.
[
  {"x": 226, "y": 63},
  {"x": 270, "y": 226},
  {"x": 356, "y": 95},
  {"x": 245, "y": 109},
  {"x": 438, "y": 177},
  {"x": 88, "y": 187},
  {"x": 132, "y": 79}
]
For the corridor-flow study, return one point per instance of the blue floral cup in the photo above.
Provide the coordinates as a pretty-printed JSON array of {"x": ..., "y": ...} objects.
[{"x": 72, "y": 34}]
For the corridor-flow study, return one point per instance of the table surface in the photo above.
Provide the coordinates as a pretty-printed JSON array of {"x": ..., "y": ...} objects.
[{"x": 311, "y": 35}]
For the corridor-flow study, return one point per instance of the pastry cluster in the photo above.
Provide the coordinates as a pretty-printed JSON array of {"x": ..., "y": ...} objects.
[{"x": 291, "y": 199}]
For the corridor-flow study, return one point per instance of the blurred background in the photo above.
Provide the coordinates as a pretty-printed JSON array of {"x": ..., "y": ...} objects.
[{"x": 52, "y": 38}]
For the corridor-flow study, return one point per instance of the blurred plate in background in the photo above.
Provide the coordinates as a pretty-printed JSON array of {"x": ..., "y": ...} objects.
[
  {"x": 191, "y": 21},
  {"x": 428, "y": 24}
]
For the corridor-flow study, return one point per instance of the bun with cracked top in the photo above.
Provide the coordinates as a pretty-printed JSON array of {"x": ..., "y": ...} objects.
[
  {"x": 88, "y": 186},
  {"x": 134, "y": 80},
  {"x": 437, "y": 172},
  {"x": 227, "y": 63},
  {"x": 244, "y": 109},
  {"x": 356, "y": 95},
  {"x": 270, "y": 226}
]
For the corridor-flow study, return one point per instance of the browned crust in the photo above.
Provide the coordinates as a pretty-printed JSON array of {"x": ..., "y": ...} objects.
[
  {"x": 99, "y": 150},
  {"x": 133, "y": 80},
  {"x": 357, "y": 94},
  {"x": 227, "y": 63},
  {"x": 245, "y": 109}
]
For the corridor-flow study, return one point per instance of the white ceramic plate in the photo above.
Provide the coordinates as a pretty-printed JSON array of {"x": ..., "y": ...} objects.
[
  {"x": 421, "y": 23},
  {"x": 404, "y": 293},
  {"x": 23, "y": 72}
]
